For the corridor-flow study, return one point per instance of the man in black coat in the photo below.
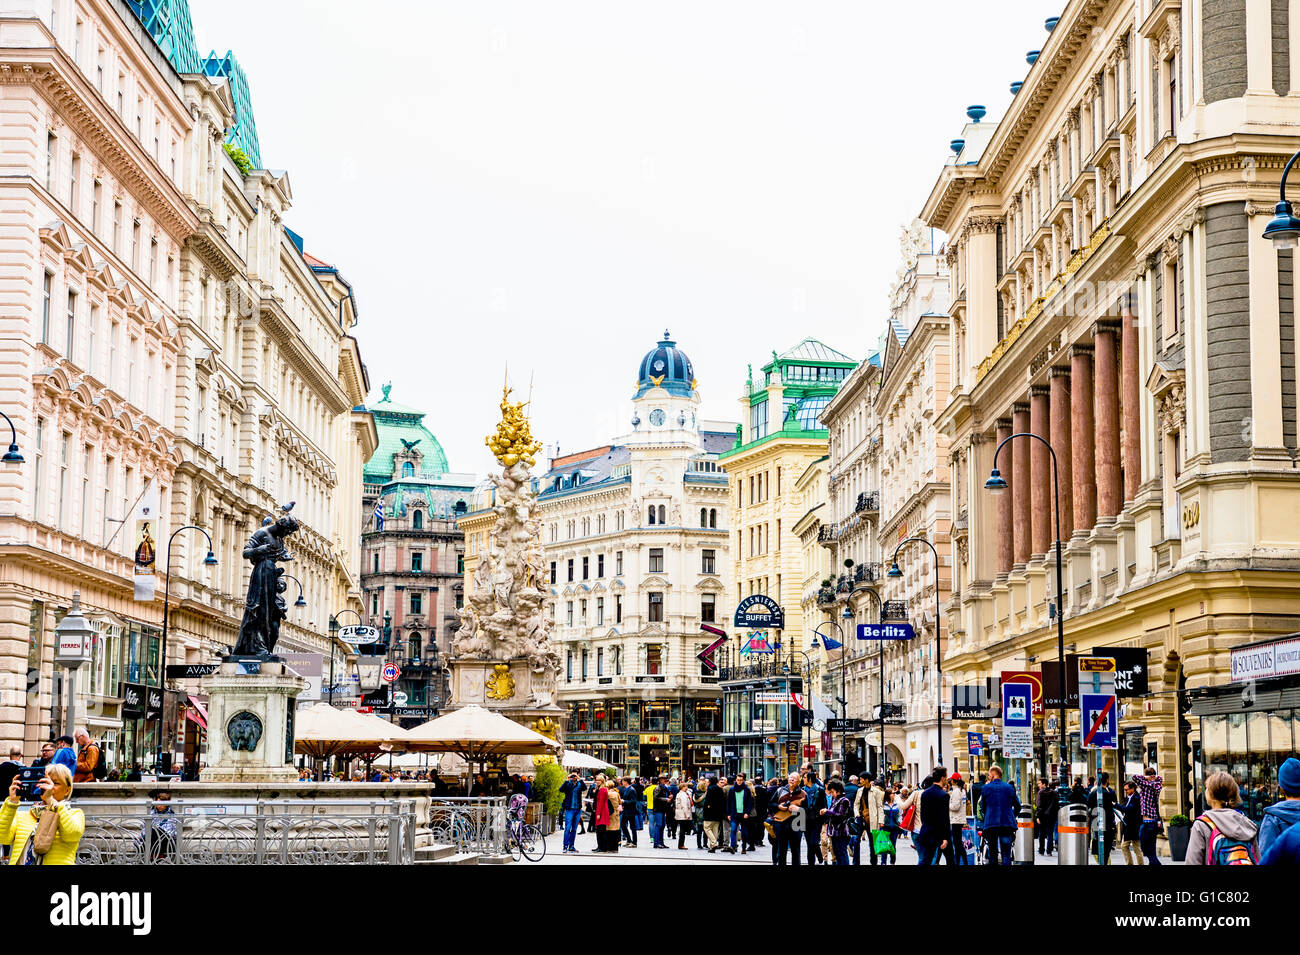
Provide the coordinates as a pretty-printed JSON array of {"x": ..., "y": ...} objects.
[
  {"x": 936, "y": 833},
  {"x": 1102, "y": 799},
  {"x": 762, "y": 798},
  {"x": 715, "y": 813},
  {"x": 1045, "y": 812}
]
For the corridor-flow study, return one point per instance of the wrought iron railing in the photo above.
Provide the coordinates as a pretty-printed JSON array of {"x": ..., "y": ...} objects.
[
  {"x": 844, "y": 584},
  {"x": 866, "y": 573},
  {"x": 825, "y": 595},
  {"x": 826, "y": 533},
  {"x": 868, "y": 501},
  {"x": 248, "y": 832},
  {"x": 893, "y": 610},
  {"x": 470, "y": 823}
]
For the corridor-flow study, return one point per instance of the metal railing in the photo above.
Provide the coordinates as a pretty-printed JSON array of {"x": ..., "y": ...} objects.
[
  {"x": 249, "y": 832},
  {"x": 475, "y": 824}
]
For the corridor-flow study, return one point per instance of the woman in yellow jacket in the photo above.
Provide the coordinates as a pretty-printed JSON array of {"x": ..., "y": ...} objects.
[{"x": 17, "y": 825}]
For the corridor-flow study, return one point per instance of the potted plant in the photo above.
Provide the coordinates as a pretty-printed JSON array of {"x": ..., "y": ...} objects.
[{"x": 1178, "y": 831}]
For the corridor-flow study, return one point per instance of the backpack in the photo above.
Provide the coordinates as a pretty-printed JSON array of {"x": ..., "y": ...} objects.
[
  {"x": 1223, "y": 849},
  {"x": 100, "y": 771}
]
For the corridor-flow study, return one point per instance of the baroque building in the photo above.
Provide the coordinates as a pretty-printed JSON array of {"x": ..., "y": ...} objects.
[
  {"x": 1114, "y": 294},
  {"x": 781, "y": 438},
  {"x": 413, "y": 554},
  {"x": 636, "y": 545},
  {"x": 169, "y": 346}
]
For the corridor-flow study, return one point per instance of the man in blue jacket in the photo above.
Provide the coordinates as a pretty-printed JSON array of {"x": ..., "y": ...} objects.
[
  {"x": 740, "y": 809},
  {"x": 936, "y": 832},
  {"x": 572, "y": 790},
  {"x": 1000, "y": 807},
  {"x": 1284, "y": 849},
  {"x": 1283, "y": 815}
]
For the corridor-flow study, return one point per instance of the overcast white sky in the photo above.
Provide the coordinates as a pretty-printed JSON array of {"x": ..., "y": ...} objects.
[{"x": 550, "y": 185}]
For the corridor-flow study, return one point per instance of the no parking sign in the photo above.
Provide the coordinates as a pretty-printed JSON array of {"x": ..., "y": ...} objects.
[{"x": 1099, "y": 720}]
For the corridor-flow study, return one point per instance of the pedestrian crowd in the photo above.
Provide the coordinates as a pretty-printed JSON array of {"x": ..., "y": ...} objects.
[{"x": 803, "y": 819}]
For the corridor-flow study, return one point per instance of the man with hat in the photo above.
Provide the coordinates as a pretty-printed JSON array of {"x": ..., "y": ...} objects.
[{"x": 1281, "y": 816}]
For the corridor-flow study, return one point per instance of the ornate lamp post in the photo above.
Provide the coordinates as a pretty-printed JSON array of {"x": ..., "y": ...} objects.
[
  {"x": 12, "y": 456},
  {"x": 334, "y": 635},
  {"x": 997, "y": 484},
  {"x": 209, "y": 561},
  {"x": 938, "y": 646},
  {"x": 73, "y": 648}
]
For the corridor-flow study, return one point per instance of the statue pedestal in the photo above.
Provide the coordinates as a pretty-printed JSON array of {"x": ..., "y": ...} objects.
[
  {"x": 250, "y": 723},
  {"x": 508, "y": 687}
]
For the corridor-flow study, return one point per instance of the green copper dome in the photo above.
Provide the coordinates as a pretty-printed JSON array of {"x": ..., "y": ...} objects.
[{"x": 401, "y": 428}]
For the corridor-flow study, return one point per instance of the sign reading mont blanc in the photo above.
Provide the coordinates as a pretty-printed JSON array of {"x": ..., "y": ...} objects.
[{"x": 759, "y": 610}]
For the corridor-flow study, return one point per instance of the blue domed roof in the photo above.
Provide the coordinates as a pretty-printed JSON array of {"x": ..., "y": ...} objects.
[{"x": 666, "y": 366}]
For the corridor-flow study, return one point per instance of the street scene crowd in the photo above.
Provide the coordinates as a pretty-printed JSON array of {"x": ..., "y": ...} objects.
[{"x": 946, "y": 819}]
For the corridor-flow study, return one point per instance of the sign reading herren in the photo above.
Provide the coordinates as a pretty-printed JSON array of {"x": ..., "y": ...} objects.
[{"x": 759, "y": 610}]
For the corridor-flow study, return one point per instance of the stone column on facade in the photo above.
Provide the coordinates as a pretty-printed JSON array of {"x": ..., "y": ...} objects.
[
  {"x": 1040, "y": 468},
  {"x": 1106, "y": 404},
  {"x": 1005, "y": 516},
  {"x": 1020, "y": 487},
  {"x": 1130, "y": 395},
  {"x": 1083, "y": 429},
  {"x": 1062, "y": 443}
]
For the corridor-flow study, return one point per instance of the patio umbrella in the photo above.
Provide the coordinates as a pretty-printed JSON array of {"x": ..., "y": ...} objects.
[
  {"x": 576, "y": 760},
  {"x": 322, "y": 731},
  {"x": 478, "y": 734}
]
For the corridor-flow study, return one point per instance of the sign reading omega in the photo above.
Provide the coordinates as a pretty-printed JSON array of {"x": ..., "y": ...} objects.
[{"x": 759, "y": 610}]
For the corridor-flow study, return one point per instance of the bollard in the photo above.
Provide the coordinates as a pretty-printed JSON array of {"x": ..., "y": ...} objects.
[
  {"x": 1072, "y": 835},
  {"x": 1024, "y": 854}
]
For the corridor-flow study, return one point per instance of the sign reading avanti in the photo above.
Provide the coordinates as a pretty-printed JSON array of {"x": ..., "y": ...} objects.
[{"x": 759, "y": 610}]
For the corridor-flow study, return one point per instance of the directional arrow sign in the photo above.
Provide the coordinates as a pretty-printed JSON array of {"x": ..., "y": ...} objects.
[{"x": 705, "y": 656}]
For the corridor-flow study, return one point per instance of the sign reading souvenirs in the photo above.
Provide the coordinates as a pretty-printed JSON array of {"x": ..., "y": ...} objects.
[
  {"x": 1263, "y": 660},
  {"x": 759, "y": 610},
  {"x": 885, "y": 631}
]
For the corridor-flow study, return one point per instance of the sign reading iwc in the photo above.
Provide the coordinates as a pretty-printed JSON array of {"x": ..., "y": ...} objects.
[{"x": 759, "y": 610}]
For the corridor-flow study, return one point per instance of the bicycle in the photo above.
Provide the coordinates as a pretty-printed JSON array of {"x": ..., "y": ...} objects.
[{"x": 526, "y": 840}]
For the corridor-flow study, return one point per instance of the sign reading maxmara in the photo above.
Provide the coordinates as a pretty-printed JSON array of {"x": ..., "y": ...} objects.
[{"x": 759, "y": 610}]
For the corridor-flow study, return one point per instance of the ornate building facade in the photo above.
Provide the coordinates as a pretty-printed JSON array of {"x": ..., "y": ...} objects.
[
  {"x": 636, "y": 544},
  {"x": 168, "y": 341},
  {"x": 413, "y": 557},
  {"x": 1114, "y": 295}
]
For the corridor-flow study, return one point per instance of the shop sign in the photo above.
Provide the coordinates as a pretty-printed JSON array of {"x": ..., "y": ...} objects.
[
  {"x": 1259, "y": 662},
  {"x": 759, "y": 610},
  {"x": 764, "y": 726},
  {"x": 654, "y": 739},
  {"x": 153, "y": 703},
  {"x": 1035, "y": 681},
  {"x": 132, "y": 701},
  {"x": 190, "y": 671},
  {"x": 970, "y": 702}
]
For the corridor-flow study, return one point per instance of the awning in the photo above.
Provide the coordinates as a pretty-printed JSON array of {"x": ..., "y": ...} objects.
[{"x": 198, "y": 712}]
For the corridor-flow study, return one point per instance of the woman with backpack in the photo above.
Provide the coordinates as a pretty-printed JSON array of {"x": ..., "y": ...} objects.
[{"x": 1221, "y": 835}]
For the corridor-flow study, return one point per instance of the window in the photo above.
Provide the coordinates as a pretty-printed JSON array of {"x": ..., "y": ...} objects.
[
  {"x": 600, "y": 661},
  {"x": 417, "y": 562},
  {"x": 72, "y": 325},
  {"x": 91, "y": 331},
  {"x": 654, "y": 665},
  {"x": 45, "y": 307},
  {"x": 570, "y": 570},
  {"x": 51, "y": 150},
  {"x": 414, "y": 646},
  {"x": 586, "y": 568},
  {"x": 618, "y": 608},
  {"x": 135, "y": 246},
  {"x": 584, "y": 665},
  {"x": 708, "y": 562},
  {"x": 618, "y": 663},
  {"x": 417, "y": 521},
  {"x": 618, "y": 563},
  {"x": 663, "y": 514},
  {"x": 376, "y": 563},
  {"x": 704, "y": 517},
  {"x": 40, "y": 445},
  {"x": 569, "y": 610},
  {"x": 408, "y": 469},
  {"x": 656, "y": 560},
  {"x": 117, "y": 227},
  {"x": 713, "y": 517},
  {"x": 651, "y": 517},
  {"x": 75, "y": 174},
  {"x": 568, "y": 666},
  {"x": 417, "y": 603},
  {"x": 600, "y": 565},
  {"x": 708, "y": 604},
  {"x": 600, "y": 611},
  {"x": 553, "y": 572},
  {"x": 582, "y": 612},
  {"x": 656, "y": 608}
]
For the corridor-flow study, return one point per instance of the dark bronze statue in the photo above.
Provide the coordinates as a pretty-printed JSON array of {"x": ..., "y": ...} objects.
[{"x": 264, "y": 608}]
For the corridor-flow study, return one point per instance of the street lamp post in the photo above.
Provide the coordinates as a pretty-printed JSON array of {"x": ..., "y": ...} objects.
[
  {"x": 880, "y": 656},
  {"x": 209, "y": 561},
  {"x": 300, "y": 602},
  {"x": 1284, "y": 227},
  {"x": 334, "y": 635},
  {"x": 997, "y": 484},
  {"x": 12, "y": 456},
  {"x": 805, "y": 676},
  {"x": 938, "y": 647}
]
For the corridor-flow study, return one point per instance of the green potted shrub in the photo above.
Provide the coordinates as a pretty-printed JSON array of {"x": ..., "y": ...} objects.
[{"x": 1178, "y": 832}]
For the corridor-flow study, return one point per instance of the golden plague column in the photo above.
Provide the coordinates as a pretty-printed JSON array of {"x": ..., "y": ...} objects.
[{"x": 502, "y": 654}]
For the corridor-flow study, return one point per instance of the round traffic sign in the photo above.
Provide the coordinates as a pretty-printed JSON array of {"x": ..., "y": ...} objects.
[
  {"x": 391, "y": 672},
  {"x": 399, "y": 698}
]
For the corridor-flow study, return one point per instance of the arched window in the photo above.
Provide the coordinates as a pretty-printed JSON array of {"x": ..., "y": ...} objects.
[
  {"x": 408, "y": 469},
  {"x": 460, "y": 508},
  {"x": 663, "y": 514},
  {"x": 713, "y": 517},
  {"x": 417, "y": 521},
  {"x": 652, "y": 514},
  {"x": 704, "y": 517}
]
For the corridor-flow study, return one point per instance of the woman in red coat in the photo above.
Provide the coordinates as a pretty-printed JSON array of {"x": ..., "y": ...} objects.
[{"x": 601, "y": 815}]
